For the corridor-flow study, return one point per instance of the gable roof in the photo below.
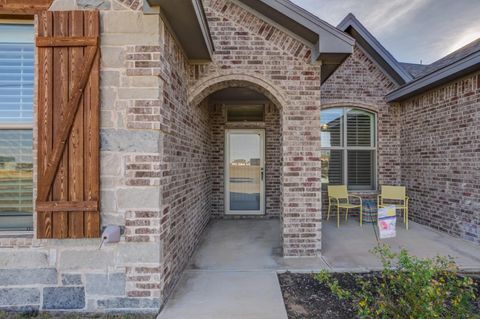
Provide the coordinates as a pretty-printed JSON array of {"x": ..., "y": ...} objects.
[
  {"x": 414, "y": 69},
  {"x": 453, "y": 57},
  {"x": 368, "y": 42},
  {"x": 330, "y": 45},
  {"x": 461, "y": 62}
]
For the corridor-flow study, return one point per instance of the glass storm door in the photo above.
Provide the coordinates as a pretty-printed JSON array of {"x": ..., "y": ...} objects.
[{"x": 244, "y": 172}]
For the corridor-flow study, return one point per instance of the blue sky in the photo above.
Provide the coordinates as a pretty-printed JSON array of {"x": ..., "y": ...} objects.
[{"x": 412, "y": 30}]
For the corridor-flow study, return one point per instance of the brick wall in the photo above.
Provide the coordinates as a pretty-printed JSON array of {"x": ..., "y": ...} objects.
[
  {"x": 185, "y": 162},
  {"x": 251, "y": 52},
  {"x": 440, "y": 158},
  {"x": 359, "y": 82},
  {"x": 273, "y": 158}
]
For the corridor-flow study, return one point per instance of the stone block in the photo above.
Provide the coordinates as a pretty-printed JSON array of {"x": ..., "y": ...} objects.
[
  {"x": 63, "y": 5},
  {"x": 138, "y": 198},
  {"x": 107, "y": 201},
  {"x": 122, "y": 22},
  {"x": 94, "y": 4},
  {"x": 19, "y": 296},
  {"x": 29, "y": 310},
  {"x": 86, "y": 259},
  {"x": 107, "y": 119},
  {"x": 23, "y": 259},
  {"x": 105, "y": 284},
  {"x": 114, "y": 218},
  {"x": 18, "y": 277},
  {"x": 130, "y": 141},
  {"x": 138, "y": 253},
  {"x": 139, "y": 93},
  {"x": 128, "y": 303},
  {"x": 109, "y": 78},
  {"x": 113, "y": 57},
  {"x": 71, "y": 279},
  {"x": 117, "y": 39},
  {"x": 110, "y": 164},
  {"x": 63, "y": 298},
  {"x": 108, "y": 98},
  {"x": 144, "y": 81}
]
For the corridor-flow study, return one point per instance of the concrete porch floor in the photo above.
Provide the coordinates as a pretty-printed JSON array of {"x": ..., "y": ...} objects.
[
  {"x": 233, "y": 273},
  {"x": 348, "y": 248}
]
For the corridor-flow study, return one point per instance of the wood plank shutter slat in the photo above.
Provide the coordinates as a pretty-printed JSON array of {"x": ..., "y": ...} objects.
[
  {"x": 60, "y": 111},
  {"x": 71, "y": 206},
  {"x": 75, "y": 146},
  {"x": 92, "y": 128},
  {"x": 73, "y": 41},
  {"x": 68, "y": 165},
  {"x": 45, "y": 101}
]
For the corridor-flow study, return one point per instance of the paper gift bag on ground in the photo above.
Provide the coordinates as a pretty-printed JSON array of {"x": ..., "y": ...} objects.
[{"x": 387, "y": 219}]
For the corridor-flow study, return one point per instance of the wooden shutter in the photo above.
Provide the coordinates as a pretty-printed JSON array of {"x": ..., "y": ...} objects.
[
  {"x": 68, "y": 125},
  {"x": 27, "y": 7}
]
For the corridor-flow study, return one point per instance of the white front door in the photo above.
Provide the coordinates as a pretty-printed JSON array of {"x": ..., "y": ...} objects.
[{"x": 244, "y": 172}]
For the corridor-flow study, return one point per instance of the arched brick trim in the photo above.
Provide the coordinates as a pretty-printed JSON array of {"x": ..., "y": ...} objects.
[
  {"x": 198, "y": 92},
  {"x": 358, "y": 105}
]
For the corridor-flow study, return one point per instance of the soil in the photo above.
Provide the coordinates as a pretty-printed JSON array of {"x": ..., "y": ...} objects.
[{"x": 306, "y": 298}]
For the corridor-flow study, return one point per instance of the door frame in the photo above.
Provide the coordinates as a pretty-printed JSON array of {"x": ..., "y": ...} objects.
[{"x": 260, "y": 212}]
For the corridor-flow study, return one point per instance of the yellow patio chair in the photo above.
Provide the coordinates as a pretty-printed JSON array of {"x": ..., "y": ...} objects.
[
  {"x": 339, "y": 194},
  {"x": 394, "y": 195}
]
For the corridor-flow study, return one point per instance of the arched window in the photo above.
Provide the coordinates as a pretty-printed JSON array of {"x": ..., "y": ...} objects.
[{"x": 348, "y": 140}]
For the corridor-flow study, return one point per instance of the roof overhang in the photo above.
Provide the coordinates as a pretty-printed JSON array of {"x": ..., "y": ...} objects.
[
  {"x": 444, "y": 75},
  {"x": 187, "y": 20},
  {"x": 329, "y": 45},
  {"x": 370, "y": 44}
]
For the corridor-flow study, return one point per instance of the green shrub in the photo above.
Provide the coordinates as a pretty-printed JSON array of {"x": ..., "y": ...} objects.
[{"x": 409, "y": 287}]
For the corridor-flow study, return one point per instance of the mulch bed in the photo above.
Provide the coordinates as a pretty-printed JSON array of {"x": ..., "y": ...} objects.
[{"x": 306, "y": 298}]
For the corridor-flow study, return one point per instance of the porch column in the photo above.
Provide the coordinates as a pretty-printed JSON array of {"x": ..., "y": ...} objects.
[{"x": 301, "y": 172}]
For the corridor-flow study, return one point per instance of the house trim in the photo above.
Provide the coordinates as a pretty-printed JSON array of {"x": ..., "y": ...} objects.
[
  {"x": 374, "y": 49},
  {"x": 446, "y": 74}
]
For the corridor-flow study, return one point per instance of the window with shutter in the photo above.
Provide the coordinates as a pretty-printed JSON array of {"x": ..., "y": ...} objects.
[
  {"x": 16, "y": 121},
  {"x": 68, "y": 125},
  {"x": 348, "y": 148}
]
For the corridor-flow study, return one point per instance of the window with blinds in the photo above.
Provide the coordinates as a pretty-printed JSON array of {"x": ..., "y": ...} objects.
[
  {"x": 348, "y": 148},
  {"x": 16, "y": 120}
]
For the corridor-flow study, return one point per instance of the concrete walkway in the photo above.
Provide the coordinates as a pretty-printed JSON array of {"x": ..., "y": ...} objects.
[{"x": 232, "y": 275}]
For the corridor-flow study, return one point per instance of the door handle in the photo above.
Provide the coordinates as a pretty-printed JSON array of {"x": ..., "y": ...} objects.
[{"x": 261, "y": 172}]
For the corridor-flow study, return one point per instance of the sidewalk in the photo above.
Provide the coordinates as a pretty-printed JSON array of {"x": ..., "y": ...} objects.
[{"x": 232, "y": 275}]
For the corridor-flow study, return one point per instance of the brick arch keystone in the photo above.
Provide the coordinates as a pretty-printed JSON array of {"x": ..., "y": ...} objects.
[{"x": 199, "y": 91}]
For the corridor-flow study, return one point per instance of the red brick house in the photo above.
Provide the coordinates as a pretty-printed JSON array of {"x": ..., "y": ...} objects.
[{"x": 158, "y": 116}]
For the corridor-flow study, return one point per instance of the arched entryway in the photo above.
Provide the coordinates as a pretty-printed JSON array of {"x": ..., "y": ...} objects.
[
  {"x": 246, "y": 160},
  {"x": 194, "y": 162}
]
